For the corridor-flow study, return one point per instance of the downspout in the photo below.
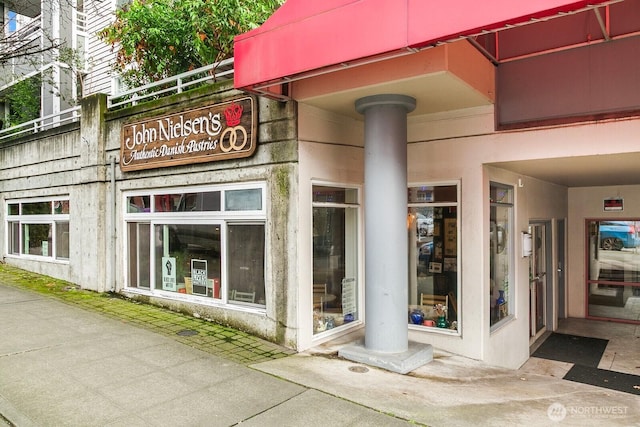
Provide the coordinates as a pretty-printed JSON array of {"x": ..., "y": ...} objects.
[{"x": 113, "y": 224}]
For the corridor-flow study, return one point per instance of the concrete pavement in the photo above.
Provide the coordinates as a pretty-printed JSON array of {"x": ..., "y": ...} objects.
[{"x": 75, "y": 358}]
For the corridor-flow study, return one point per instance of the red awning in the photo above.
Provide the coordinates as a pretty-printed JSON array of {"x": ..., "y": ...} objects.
[{"x": 305, "y": 35}]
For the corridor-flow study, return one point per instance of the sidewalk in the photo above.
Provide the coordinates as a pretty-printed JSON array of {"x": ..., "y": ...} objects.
[{"x": 75, "y": 358}]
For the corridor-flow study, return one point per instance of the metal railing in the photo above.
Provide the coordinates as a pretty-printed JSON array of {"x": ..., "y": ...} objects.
[
  {"x": 42, "y": 123},
  {"x": 23, "y": 36},
  {"x": 220, "y": 71},
  {"x": 211, "y": 73}
]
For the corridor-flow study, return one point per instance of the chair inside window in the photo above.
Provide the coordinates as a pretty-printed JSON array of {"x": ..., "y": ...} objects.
[
  {"x": 243, "y": 296},
  {"x": 454, "y": 302},
  {"x": 431, "y": 300},
  {"x": 319, "y": 295}
]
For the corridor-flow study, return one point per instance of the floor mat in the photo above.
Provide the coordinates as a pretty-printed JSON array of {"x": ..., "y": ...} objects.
[
  {"x": 583, "y": 351},
  {"x": 602, "y": 378}
]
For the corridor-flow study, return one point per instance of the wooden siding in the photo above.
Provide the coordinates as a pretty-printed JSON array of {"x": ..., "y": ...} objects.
[{"x": 98, "y": 80}]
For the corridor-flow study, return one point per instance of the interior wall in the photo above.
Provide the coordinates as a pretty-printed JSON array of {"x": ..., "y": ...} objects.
[{"x": 587, "y": 202}]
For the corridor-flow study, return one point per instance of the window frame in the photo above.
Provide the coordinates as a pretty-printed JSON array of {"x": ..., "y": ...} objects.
[
  {"x": 357, "y": 207},
  {"x": 222, "y": 218},
  {"x": 436, "y": 204},
  {"x": 52, "y": 219},
  {"x": 510, "y": 292}
]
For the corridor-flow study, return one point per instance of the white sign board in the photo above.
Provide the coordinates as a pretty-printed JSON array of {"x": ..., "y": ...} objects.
[
  {"x": 349, "y": 301},
  {"x": 199, "y": 276},
  {"x": 169, "y": 274}
]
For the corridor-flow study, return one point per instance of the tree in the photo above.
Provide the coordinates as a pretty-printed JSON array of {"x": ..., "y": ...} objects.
[{"x": 154, "y": 39}]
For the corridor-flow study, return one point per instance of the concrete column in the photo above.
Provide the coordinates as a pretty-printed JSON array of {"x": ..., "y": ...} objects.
[
  {"x": 385, "y": 178},
  {"x": 386, "y": 264},
  {"x": 90, "y": 207}
]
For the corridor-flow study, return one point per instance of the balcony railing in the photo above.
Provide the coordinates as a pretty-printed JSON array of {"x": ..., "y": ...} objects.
[
  {"x": 42, "y": 123},
  {"x": 24, "y": 35},
  {"x": 216, "y": 72},
  {"x": 220, "y": 71}
]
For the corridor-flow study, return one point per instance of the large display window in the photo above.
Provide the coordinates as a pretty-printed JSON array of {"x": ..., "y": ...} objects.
[
  {"x": 434, "y": 259},
  {"x": 613, "y": 280},
  {"x": 335, "y": 257},
  {"x": 501, "y": 298},
  {"x": 206, "y": 243},
  {"x": 38, "y": 228}
]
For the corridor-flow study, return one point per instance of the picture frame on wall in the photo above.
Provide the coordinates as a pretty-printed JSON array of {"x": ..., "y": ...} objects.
[{"x": 435, "y": 267}]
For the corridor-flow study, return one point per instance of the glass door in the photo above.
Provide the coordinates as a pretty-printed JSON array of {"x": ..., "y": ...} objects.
[{"x": 537, "y": 280}]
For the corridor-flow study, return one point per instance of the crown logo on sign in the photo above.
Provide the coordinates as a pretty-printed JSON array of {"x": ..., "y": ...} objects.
[{"x": 233, "y": 113}]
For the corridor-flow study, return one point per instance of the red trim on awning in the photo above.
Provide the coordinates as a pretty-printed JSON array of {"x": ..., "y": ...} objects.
[{"x": 303, "y": 35}]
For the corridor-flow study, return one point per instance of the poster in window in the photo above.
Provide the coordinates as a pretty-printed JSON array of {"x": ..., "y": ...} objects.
[
  {"x": 450, "y": 264},
  {"x": 169, "y": 273},
  {"x": 450, "y": 237},
  {"x": 349, "y": 296},
  {"x": 199, "y": 276},
  {"x": 435, "y": 267}
]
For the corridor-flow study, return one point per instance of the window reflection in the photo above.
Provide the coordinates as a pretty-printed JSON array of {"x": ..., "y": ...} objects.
[
  {"x": 37, "y": 239},
  {"x": 433, "y": 263},
  {"x": 192, "y": 242},
  {"x": 335, "y": 258},
  {"x": 246, "y": 263},
  {"x": 187, "y": 258},
  {"x": 36, "y": 208},
  {"x": 613, "y": 286},
  {"x": 500, "y": 252}
]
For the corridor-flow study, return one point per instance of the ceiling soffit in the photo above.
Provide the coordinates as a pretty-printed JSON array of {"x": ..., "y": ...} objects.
[{"x": 449, "y": 77}]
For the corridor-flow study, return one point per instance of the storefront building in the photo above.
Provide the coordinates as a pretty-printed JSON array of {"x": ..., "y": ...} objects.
[
  {"x": 513, "y": 119},
  {"x": 445, "y": 180}
]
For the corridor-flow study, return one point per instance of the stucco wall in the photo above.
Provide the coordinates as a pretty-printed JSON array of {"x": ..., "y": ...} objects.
[
  {"x": 331, "y": 151},
  {"x": 438, "y": 150}
]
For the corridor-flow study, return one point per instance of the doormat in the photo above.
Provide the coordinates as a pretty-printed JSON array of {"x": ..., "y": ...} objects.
[
  {"x": 583, "y": 351},
  {"x": 602, "y": 378}
]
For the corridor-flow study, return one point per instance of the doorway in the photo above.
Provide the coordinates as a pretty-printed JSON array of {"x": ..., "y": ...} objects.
[
  {"x": 540, "y": 281},
  {"x": 560, "y": 271},
  {"x": 613, "y": 282}
]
